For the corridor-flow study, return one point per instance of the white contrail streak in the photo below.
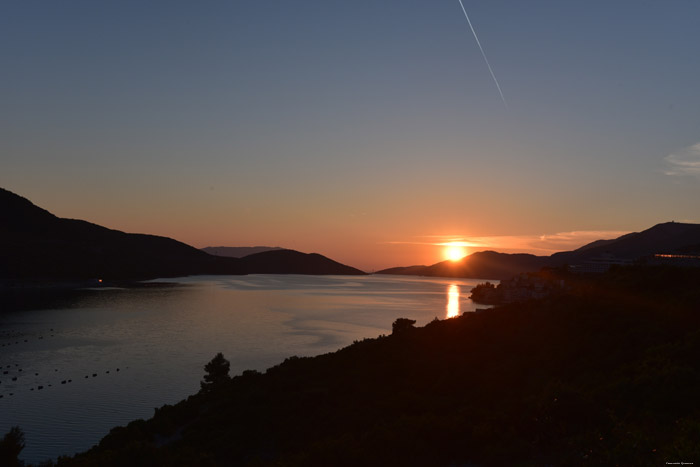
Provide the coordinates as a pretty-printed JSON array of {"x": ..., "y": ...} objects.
[{"x": 483, "y": 54}]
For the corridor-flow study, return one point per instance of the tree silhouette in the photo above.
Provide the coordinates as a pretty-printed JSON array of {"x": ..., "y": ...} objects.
[
  {"x": 10, "y": 447},
  {"x": 216, "y": 373},
  {"x": 402, "y": 324}
]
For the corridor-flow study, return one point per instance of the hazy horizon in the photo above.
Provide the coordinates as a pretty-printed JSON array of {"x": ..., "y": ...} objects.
[{"x": 369, "y": 133}]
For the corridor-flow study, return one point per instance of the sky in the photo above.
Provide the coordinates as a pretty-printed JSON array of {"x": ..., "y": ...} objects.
[{"x": 370, "y": 132}]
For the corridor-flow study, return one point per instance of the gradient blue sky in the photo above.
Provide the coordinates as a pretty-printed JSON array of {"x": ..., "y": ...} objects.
[{"x": 364, "y": 130}]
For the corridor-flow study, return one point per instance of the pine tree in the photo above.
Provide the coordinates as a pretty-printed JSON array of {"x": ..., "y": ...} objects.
[{"x": 216, "y": 373}]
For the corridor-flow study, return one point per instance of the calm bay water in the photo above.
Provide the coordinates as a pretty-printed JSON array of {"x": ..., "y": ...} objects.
[{"x": 110, "y": 356}]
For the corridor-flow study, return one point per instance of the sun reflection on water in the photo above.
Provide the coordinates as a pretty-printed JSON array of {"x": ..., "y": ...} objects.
[{"x": 452, "y": 300}]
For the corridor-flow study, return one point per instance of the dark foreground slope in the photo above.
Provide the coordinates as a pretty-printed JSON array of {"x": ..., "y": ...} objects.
[
  {"x": 35, "y": 244},
  {"x": 608, "y": 375}
]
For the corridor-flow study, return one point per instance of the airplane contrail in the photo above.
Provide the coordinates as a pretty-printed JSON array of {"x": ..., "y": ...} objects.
[{"x": 483, "y": 54}]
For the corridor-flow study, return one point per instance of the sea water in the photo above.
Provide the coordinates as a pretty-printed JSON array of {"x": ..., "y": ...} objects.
[{"x": 74, "y": 369}]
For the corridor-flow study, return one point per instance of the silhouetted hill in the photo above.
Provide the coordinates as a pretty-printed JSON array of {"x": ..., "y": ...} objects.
[
  {"x": 418, "y": 270},
  {"x": 35, "y": 244},
  {"x": 481, "y": 265},
  {"x": 237, "y": 251},
  {"x": 38, "y": 246},
  {"x": 294, "y": 262},
  {"x": 669, "y": 237},
  {"x": 607, "y": 375},
  {"x": 596, "y": 243},
  {"x": 487, "y": 265}
]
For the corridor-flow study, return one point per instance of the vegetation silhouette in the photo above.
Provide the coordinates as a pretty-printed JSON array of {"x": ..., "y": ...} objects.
[
  {"x": 606, "y": 374},
  {"x": 484, "y": 293},
  {"x": 217, "y": 373},
  {"x": 402, "y": 325},
  {"x": 11, "y": 446}
]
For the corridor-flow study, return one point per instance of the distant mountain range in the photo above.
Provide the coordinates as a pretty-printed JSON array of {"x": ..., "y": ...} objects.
[
  {"x": 666, "y": 238},
  {"x": 238, "y": 251},
  {"x": 36, "y": 245}
]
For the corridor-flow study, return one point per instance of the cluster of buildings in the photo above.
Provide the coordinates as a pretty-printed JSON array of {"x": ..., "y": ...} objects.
[
  {"x": 528, "y": 286},
  {"x": 600, "y": 264},
  {"x": 688, "y": 261},
  {"x": 523, "y": 287}
]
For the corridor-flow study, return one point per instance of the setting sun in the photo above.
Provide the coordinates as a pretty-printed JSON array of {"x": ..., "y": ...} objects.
[{"x": 455, "y": 251}]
